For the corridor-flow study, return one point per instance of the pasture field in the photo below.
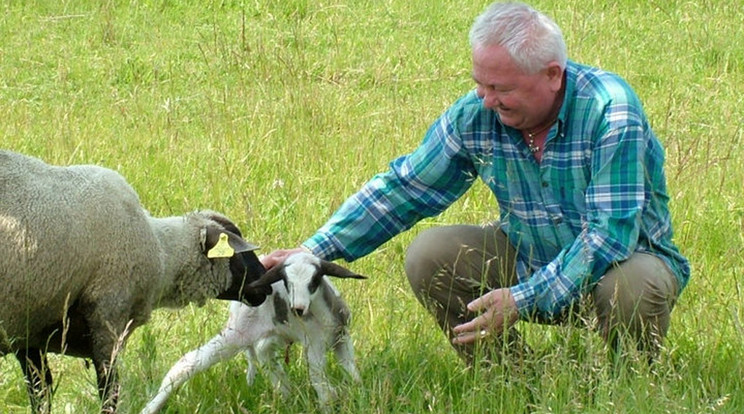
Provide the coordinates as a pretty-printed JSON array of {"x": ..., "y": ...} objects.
[{"x": 274, "y": 111}]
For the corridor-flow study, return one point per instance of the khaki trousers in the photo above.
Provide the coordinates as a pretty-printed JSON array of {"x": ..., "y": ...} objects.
[{"x": 450, "y": 266}]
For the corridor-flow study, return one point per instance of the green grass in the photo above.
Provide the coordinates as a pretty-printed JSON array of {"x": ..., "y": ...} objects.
[{"x": 273, "y": 112}]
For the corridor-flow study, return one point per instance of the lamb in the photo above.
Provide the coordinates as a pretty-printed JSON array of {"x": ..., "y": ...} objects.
[
  {"x": 84, "y": 264},
  {"x": 304, "y": 307}
]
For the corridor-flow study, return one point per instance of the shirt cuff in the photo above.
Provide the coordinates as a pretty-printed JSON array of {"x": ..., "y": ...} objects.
[
  {"x": 524, "y": 297},
  {"x": 321, "y": 246}
]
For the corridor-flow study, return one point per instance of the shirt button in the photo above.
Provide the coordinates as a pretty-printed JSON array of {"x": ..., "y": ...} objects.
[{"x": 544, "y": 184}]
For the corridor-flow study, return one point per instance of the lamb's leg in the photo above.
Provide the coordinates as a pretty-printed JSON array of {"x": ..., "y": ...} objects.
[
  {"x": 38, "y": 378},
  {"x": 344, "y": 350},
  {"x": 250, "y": 358},
  {"x": 220, "y": 348},
  {"x": 265, "y": 351},
  {"x": 316, "y": 362}
]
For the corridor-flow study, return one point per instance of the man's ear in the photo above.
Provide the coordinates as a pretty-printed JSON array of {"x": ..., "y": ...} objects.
[{"x": 554, "y": 73}]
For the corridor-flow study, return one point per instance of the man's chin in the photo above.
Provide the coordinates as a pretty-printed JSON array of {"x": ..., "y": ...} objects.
[{"x": 508, "y": 119}]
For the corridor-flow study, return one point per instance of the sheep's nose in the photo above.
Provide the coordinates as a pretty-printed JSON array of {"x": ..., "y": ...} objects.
[{"x": 298, "y": 311}]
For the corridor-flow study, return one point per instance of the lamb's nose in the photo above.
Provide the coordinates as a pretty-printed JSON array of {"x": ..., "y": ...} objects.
[{"x": 298, "y": 311}]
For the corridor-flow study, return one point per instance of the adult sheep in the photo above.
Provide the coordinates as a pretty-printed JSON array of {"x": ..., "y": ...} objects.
[{"x": 83, "y": 264}]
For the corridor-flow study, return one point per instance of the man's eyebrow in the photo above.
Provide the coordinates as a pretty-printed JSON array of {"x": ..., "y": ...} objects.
[
  {"x": 478, "y": 81},
  {"x": 493, "y": 85}
]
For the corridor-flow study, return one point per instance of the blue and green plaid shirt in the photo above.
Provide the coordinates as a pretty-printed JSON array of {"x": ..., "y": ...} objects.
[{"x": 598, "y": 195}]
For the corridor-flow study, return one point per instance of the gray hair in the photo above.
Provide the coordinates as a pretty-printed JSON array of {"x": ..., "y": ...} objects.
[{"x": 532, "y": 39}]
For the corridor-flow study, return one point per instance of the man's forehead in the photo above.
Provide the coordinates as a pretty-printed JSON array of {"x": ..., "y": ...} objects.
[{"x": 493, "y": 79}]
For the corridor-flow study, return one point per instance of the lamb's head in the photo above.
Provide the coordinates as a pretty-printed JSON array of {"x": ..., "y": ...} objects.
[
  {"x": 229, "y": 260},
  {"x": 302, "y": 274}
]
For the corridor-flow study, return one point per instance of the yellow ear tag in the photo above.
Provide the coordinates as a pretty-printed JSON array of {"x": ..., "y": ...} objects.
[{"x": 221, "y": 249}]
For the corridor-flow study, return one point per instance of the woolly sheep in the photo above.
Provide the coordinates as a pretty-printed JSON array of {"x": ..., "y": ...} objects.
[
  {"x": 304, "y": 307},
  {"x": 83, "y": 264}
]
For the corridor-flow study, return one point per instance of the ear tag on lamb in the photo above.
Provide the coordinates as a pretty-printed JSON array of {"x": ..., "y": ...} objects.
[{"x": 221, "y": 249}]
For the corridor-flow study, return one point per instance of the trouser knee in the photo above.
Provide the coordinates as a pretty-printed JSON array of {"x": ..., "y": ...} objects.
[
  {"x": 429, "y": 266},
  {"x": 460, "y": 259},
  {"x": 635, "y": 298},
  {"x": 420, "y": 264},
  {"x": 450, "y": 266}
]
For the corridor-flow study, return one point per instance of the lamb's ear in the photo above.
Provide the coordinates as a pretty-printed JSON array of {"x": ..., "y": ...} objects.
[
  {"x": 335, "y": 270},
  {"x": 272, "y": 275}
]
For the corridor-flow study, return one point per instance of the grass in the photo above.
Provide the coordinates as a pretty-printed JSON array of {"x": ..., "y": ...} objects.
[{"x": 274, "y": 112}]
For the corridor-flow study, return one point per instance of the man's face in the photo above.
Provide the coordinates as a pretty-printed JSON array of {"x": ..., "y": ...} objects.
[{"x": 523, "y": 101}]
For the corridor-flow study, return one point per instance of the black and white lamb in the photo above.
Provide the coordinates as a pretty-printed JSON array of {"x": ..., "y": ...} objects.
[
  {"x": 83, "y": 264},
  {"x": 304, "y": 307}
]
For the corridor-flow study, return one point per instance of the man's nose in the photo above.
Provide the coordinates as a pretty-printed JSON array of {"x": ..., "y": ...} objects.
[{"x": 490, "y": 99}]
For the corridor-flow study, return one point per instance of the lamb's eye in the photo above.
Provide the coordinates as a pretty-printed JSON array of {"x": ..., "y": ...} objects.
[{"x": 314, "y": 284}]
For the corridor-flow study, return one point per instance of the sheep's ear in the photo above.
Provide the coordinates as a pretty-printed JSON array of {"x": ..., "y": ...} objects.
[
  {"x": 335, "y": 270},
  {"x": 272, "y": 275},
  {"x": 222, "y": 220},
  {"x": 239, "y": 244},
  {"x": 234, "y": 241}
]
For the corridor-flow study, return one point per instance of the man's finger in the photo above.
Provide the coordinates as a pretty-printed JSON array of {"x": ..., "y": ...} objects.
[
  {"x": 465, "y": 327},
  {"x": 474, "y": 324},
  {"x": 487, "y": 300},
  {"x": 470, "y": 337},
  {"x": 464, "y": 339},
  {"x": 476, "y": 305}
]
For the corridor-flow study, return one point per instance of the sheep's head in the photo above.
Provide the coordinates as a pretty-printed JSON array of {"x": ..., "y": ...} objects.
[
  {"x": 302, "y": 274},
  {"x": 224, "y": 241}
]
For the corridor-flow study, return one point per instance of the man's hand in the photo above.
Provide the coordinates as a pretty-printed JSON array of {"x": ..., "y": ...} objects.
[
  {"x": 499, "y": 313},
  {"x": 277, "y": 256}
]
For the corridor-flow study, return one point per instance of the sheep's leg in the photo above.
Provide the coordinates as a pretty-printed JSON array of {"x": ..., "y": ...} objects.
[
  {"x": 38, "y": 378},
  {"x": 109, "y": 327},
  {"x": 344, "y": 351},
  {"x": 220, "y": 348},
  {"x": 316, "y": 362},
  {"x": 106, "y": 343},
  {"x": 108, "y": 381}
]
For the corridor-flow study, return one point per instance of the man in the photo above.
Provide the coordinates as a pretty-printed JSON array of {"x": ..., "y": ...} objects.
[{"x": 578, "y": 176}]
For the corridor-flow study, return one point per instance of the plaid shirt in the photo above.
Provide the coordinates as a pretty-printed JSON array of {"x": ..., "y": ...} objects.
[{"x": 597, "y": 196}]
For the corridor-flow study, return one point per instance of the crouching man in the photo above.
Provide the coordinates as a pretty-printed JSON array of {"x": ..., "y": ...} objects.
[{"x": 577, "y": 172}]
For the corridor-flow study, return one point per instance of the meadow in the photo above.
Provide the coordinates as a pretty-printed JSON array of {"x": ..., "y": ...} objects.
[{"x": 273, "y": 112}]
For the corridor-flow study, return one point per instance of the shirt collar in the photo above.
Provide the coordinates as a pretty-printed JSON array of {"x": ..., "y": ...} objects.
[{"x": 569, "y": 77}]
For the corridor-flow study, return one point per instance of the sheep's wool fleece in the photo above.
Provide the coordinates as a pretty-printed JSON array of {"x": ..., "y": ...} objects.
[{"x": 59, "y": 226}]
